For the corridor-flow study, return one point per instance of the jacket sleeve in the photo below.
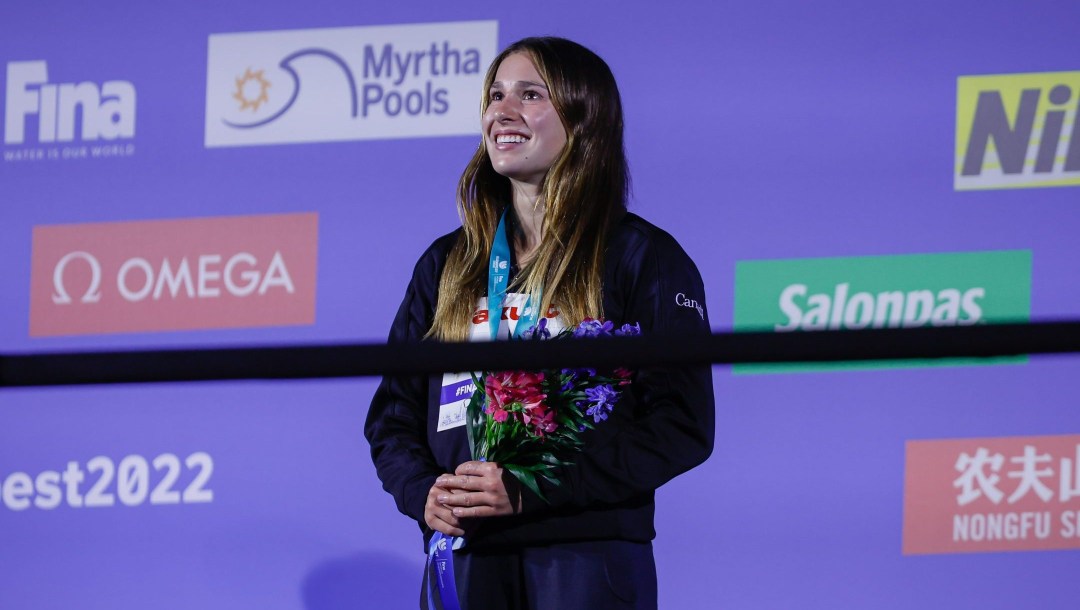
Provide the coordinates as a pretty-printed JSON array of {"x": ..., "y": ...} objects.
[
  {"x": 396, "y": 425},
  {"x": 671, "y": 427}
]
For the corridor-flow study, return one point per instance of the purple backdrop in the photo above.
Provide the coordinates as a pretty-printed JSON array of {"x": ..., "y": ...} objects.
[{"x": 768, "y": 130}]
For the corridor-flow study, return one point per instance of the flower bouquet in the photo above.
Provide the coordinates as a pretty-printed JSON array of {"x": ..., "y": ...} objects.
[{"x": 531, "y": 422}]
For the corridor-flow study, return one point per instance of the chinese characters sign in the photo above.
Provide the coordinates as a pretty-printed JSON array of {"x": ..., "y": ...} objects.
[{"x": 992, "y": 494}]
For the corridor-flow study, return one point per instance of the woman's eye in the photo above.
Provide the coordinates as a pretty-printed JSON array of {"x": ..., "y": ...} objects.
[
  {"x": 496, "y": 96},
  {"x": 531, "y": 95}
]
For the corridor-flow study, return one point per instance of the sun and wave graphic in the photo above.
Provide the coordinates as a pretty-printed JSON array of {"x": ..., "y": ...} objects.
[{"x": 246, "y": 86}]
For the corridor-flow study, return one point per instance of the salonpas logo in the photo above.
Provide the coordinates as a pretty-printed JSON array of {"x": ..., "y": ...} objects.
[{"x": 905, "y": 291}]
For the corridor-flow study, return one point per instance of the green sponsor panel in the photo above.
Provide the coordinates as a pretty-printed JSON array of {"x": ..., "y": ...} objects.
[{"x": 904, "y": 291}]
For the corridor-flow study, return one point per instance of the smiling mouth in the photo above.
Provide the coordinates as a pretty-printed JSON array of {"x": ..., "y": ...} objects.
[{"x": 510, "y": 139}]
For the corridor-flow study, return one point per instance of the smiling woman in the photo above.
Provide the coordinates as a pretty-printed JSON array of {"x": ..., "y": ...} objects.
[
  {"x": 522, "y": 130},
  {"x": 546, "y": 243}
]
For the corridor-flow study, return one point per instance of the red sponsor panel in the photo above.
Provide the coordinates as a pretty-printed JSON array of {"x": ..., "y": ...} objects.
[
  {"x": 992, "y": 494},
  {"x": 161, "y": 275}
]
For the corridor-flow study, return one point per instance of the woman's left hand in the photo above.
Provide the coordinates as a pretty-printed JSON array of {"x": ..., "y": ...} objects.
[{"x": 483, "y": 491}]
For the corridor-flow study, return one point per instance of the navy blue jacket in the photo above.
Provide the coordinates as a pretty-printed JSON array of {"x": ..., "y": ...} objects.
[{"x": 661, "y": 427}]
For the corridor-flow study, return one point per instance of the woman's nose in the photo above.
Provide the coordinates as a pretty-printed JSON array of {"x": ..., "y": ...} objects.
[{"x": 504, "y": 110}]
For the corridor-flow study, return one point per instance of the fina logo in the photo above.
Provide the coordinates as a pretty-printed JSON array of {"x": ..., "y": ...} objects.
[
  {"x": 103, "y": 112},
  {"x": 346, "y": 83}
]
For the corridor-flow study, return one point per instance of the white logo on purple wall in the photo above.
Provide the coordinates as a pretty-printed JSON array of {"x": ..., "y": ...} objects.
[
  {"x": 355, "y": 83},
  {"x": 47, "y": 120},
  {"x": 102, "y": 483}
]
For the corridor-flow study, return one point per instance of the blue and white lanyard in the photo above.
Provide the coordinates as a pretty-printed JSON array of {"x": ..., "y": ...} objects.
[
  {"x": 441, "y": 547},
  {"x": 498, "y": 280}
]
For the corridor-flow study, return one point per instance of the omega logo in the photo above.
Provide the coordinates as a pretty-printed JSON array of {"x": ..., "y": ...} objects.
[
  {"x": 682, "y": 301},
  {"x": 93, "y": 292},
  {"x": 241, "y": 275}
]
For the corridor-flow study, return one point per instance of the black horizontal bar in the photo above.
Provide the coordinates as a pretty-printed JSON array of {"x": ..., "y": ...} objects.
[{"x": 354, "y": 360}]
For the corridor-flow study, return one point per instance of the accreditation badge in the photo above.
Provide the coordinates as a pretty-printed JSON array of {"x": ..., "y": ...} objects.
[{"x": 457, "y": 391}]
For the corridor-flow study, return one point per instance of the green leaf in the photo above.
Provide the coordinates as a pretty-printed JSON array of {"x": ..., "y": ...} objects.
[
  {"x": 474, "y": 417},
  {"x": 527, "y": 479}
]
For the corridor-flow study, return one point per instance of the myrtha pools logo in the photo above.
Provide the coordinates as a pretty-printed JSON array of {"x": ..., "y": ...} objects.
[
  {"x": 47, "y": 121},
  {"x": 1017, "y": 130},
  {"x": 346, "y": 83}
]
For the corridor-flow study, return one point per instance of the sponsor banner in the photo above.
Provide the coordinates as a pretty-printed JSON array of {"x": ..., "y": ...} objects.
[
  {"x": 903, "y": 291},
  {"x": 355, "y": 83},
  {"x": 133, "y": 481},
  {"x": 1017, "y": 130},
  {"x": 992, "y": 494},
  {"x": 49, "y": 120},
  {"x": 161, "y": 275}
]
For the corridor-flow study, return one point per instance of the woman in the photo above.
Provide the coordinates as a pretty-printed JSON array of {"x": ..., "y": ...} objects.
[{"x": 551, "y": 161}]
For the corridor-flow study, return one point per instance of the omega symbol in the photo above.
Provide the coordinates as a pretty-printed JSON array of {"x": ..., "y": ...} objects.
[{"x": 93, "y": 292}]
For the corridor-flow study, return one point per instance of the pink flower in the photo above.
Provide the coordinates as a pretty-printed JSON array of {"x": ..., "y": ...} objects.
[
  {"x": 540, "y": 420},
  {"x": 513, "y": 386},
  {"x": 513, "y": 392},
  {"x": 545, "y": 423}
]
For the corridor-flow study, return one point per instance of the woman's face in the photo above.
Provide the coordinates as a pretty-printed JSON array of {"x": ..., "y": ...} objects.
[{"x": 522, "y": 129}]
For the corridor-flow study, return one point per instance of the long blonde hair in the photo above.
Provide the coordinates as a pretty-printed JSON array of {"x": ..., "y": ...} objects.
[{"x": 584, "y": 193}]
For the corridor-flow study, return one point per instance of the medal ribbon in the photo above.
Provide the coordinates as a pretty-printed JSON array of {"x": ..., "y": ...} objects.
[
  {"x": 498, "y": 280},
  {"x": 441, "y": 548},
  {"x": 441, "y": 557}
]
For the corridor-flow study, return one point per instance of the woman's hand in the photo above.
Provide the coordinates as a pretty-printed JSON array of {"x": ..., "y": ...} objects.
[
  {"x": 477, "y": 489},
  {"x": 437, "y": 515}
]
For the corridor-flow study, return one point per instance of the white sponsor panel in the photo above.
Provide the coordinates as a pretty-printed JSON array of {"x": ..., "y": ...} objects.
[{"x": 354, "y": 83}]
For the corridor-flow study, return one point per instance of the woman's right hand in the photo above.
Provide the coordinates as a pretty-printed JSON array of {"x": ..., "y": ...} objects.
[{"x": 437, "y": 516}]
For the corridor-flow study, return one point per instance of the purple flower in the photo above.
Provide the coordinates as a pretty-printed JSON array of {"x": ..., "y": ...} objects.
[
  {"x": 629, "y": 330},
  {"x": 538, "y": 331},
  {"x": 593, "y": 328},
  {"x": 598, "y": 413},
  {"x": 601, "y": 394},
  {"x": 574, "y": 377},
  {"x": 603, "y": 399}
]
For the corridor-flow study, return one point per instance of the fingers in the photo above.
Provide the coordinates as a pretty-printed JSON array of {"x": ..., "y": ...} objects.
[
  {"x": 475, "y": 468},
  {"x": 439, "y": 517},
  {"x": 473, "y": 476},
  {"x": 473, "y": 504},
  {"x": 481, "y": 491}
]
